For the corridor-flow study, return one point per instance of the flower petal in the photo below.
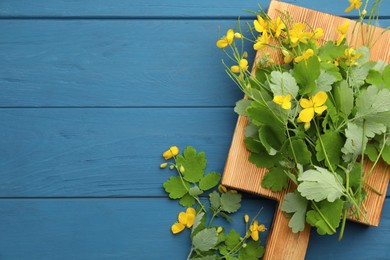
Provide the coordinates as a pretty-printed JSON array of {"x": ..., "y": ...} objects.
[
  {"x": 235, "y": 69},
  {"x": 320, "y": 110},
  {"x": 306, "y": 115},
  {"x": 222, "y": 43},
  {"x": 191, "y": 211},
  {"x": 286, "y": 104},
  {"x": 190, "y": 220},
  {"x": 182, "y": 218},
  {"x": 278, "y": 100},
  {"x": 177, "y": 228},
  {"x": 305, "y": 103},
  {"x": 319, "y": 99},
  {"x": 255, "y": 235}
]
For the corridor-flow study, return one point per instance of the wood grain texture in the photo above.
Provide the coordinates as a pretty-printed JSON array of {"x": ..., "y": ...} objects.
[
  {"x": 156, "y": 8},
  {"x": 103, "y": 152},
  {"x": 139, "y": 229},
  {"x": 240, "y": 174},
  {"x": 113, "y": 63}
]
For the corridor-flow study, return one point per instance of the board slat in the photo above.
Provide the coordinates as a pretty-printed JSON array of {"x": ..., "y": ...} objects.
[{"x": 160, "y": 8}]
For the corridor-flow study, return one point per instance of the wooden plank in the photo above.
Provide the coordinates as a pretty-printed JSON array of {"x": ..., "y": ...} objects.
[
  {"x": 113, "y": 63},
  {"x": 139, "y": 63},
  {"x": 135, "y": 229},
  {"x": 159, "y": 8},
  {"x": 103, "y": 152}
]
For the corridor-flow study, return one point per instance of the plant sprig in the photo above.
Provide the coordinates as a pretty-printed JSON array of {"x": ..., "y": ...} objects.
[{"x": 208, "y": 242}]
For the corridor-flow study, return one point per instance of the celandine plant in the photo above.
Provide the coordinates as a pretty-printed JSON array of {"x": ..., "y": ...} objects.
[
  {"x": 314, "y": 118},
  {"x": 208, "y": 241}
]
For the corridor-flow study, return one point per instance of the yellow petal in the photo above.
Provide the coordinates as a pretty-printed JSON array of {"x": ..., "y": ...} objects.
[
  {"x": 255, "y": 235},
  {"x": 235, "y": 69},
  {"x": 339, "y": 40},
  {"x": 261, "y": 228},
  {"x": 182, "y": 218},
  {"x": 286, "y": 104},
  {"x": 320, "y": 110},
  {"x": 278, "y": 100},
  {"x": 305, "y": 103},
  {"x": 306, "y": 115},
  {"x": 190, "y": 220},
  {"x": 230, "y": 36},
  {"x": 177, "y": 228},
  {"x": 319, "y": 99},
  {"x": 348, "y": 9},
  {"x": 222, "y": 43},
  {"x": 244, "y": 64},
  {"x": 191, "y": 211}
]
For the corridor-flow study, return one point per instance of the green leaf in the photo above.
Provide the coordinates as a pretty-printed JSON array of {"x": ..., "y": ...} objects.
[
  {"x": 275, "y": 179},
  {"x": 199, "y": 223},
  {"x": 372, "y": 151},
  {"x": 327, "y": 218},
  {"x": 296, "y": 204},
  {"x": 306, "y": 73},
  {"x": 332, "y": 142},
  {"x": 282, "y": 84},
  {"x": 386, "y": 77},
  {"x": 205, "y": 239},
  {"x": 232, "y": 239},
  {"x": 251, "y": 130},
  {"x": 374, "y": 78},
  {"x": 272, "y": 138},
  {"x": 187, "y": 200},
  {"x": 215, "y": 200},
  {"x": 194, "y": 164},
  {"x": 355, "y": 142},
  {"x": 253, "y": 251},
  {"x": 207, "y": 257},
  {"x": 261, "y": 114},
  {"x": 175, "y": 187},
  {"x": 320, "y": 184},
  {"x": 358, "y": 74},
  {"x": 324, "y": 82},
  {"x": 302, "y": 153},
  {"x": 195, "y": 191},
  {"x": 330, "y": 51},
  {"x": 253, "y": 144},
  {"x": 230, "y": 201},
  {"x": 372, "y": 101},
  {"x": 386, "y": 154},
  {"x": 344, "y": 98},
  {"x": 332, "y": 69},
  {"x": 355, "y": 176},
  {"x": 209, "y": 181},
  {"x": 241, "y": 107}
]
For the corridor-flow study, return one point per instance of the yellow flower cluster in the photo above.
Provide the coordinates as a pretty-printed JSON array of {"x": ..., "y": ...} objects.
[
  {"x": 185, "y": 219},
  {"x": 172, "y": 152},
  {"x": 353, "y": 4}
]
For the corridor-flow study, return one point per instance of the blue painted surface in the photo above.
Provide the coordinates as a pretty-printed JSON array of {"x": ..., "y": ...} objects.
[{"x": 91, "y": 93}]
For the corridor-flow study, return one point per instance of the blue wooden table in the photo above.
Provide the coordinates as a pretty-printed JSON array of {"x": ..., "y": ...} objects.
[{"x": 92, "y": 92}]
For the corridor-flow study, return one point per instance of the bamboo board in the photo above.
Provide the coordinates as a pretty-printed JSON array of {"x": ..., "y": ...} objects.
[{"x": 240, "y": 174}]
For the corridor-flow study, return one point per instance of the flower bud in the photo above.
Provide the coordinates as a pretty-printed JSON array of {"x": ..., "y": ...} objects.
[
  {"x": 222, "y": 189},
  {"x": 244, "y": 245},
  {"x": 364, "y": 12},
  {"x": 163, "y": 165},
  {"x": 173, "y": 151},
  {"x": 219, "y": 230},
  {"x": 171, "y": 167},
  {"x": 182, "y": 170},
  {"x": 246, "y": 218}
]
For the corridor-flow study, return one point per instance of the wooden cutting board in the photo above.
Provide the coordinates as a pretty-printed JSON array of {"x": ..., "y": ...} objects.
[{"x": 240, "y": 174}]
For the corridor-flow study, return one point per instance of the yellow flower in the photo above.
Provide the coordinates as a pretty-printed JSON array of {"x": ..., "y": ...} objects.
[
  {"x": 312, "y": 106},
  {"x": 284, "y": 101},
  {"x": 305, "y": 56},
  {"x": 287, "y": 56},
  {"x": 351, "y": 56},
  {"x": 277, "y": 26},
  {"x": 353, "y": 4},
  {"x": 226, "y": 40},
  {"x": 342, "y": 30},
  {"x": 261, "y": 41},
  {"x": 260, "y": 24},
  {"x": 173, "y": 151},
  {"x": 186, "y": 219},
  {"x": 242, "y": 67},
  {"x": 296, "y": 34},
  {"x": 254, "y": 230}
]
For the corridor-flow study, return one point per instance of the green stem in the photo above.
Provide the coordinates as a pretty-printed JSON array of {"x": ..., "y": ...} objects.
[
  {"x": 343, "y": 225},
  {"x": 190, "y": 253},
  {"x": 372, "y": 188},
  {"x": 377, "y": 158}
]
